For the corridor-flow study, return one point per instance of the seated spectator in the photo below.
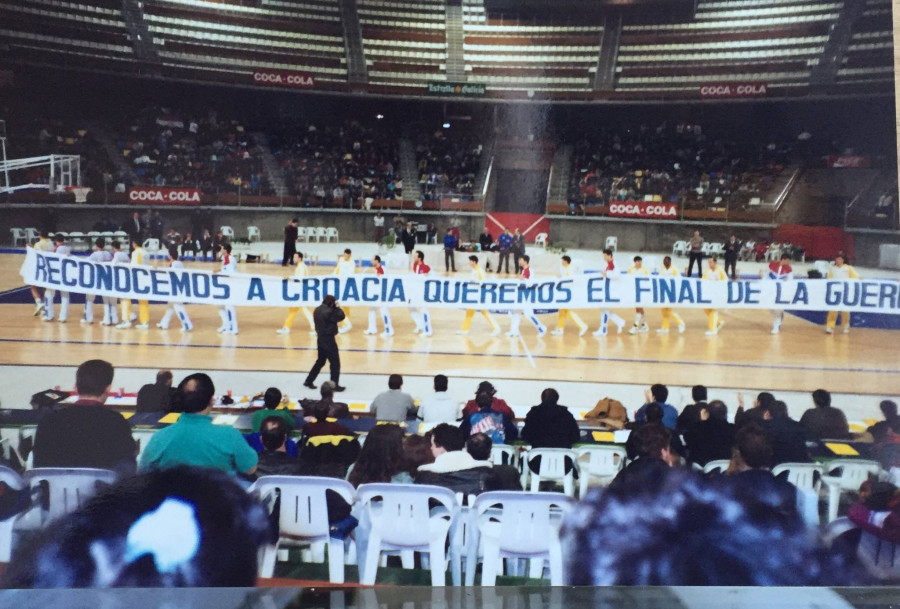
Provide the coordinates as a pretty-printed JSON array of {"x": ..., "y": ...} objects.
[
  {"x": 498, "y": 426},
  {"x": 878, "y": 510},
  {"x": 181, "y": 527},
  {"x": 751, "y": 460},
  {"x": 336, "y": 410},
  {"x": 506, "y": 477},
  {"x": 712, "y": 438},
  {"x": 417, "y": 451},
  {"x": 381, "y": 458},
  {"x": 439, "y": 407},
  {"x": 453, "y": 467},
  {"x": 740, "y": 541},
  {"x": 825, "y": 421},
  {"x": 654, "y": 415},
  {"x": 610, "y": 413},
  {"x": 886, "y": 448},
  {"x": 755, "y": 414},
  {"x": 274, "y": 460},
  {"x": 690, "y": 414},
  {"x": 156, "y": 397},
  {"x": 550, "y": 425},
  {"x": 497, "y": 404},
  {"x": 788, "y": 436},
  {"x": 889, "y": 411},
  {"x": 394, "y": 404},
  {"x": 272, "y": 407},
  {"x": 194, "y": 440},
  {"x": 87, "y": 434},
  {"x": 658, "y": 394},
  {"x": 322, "y": 426},
  {"x": 652, "y": 455}
]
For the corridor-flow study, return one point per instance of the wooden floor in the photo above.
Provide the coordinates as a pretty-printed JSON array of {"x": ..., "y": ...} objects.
[{"x": 744, "y": 354}]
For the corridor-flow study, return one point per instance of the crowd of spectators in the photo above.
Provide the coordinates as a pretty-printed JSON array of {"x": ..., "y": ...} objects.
[
  {"x": 447, "y": 166},
  {"x": 674, "y": 162},
  {"x": 189, "y": 479}
]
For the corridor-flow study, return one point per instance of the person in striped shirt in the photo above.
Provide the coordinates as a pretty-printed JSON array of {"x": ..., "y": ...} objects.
[
  {"x": 228, "y": 313},
  {"x": 138, "y": 258},
  {"x": 420, "y": 315},
  {"x": 99, "y": 255},
  {"x": 300, "y": 272},
  {"x": 564, "y": 314},
  {"x": 478, "y": 275},
  {"x": 640, "y": 324},
  {"x": 516, "y": 316},
  {"x": 779, "y": 271},
  {"x": 374, "y": 312},
  {"x": 840, "y": 270},
  {"x": 49, "y": 294},
  {"x": 714, "y": 273},
  {"x": 175, "y": 307},
  {"x": 606, "y": 315},
  {"x": 669, "y": 270},
  {"x": 345, "y": 268}
]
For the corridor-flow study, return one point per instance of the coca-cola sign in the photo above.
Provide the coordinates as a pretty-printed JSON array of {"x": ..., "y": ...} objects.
[
  {"x": 643, "y": 209},
  {"x": 283, "y": 78},
  {"x": 733, "y": 89},
  {"x": 164, "y": 196}
]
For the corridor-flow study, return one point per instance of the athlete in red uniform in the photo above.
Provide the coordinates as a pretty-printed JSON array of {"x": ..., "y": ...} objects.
[
  {"x": 421, "y": 315},
  {"x": 606, "y": 315},
  {"x": 382, "y": 310}
]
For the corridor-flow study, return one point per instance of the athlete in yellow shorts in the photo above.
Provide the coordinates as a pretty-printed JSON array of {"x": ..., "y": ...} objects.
[
  {"x": 564, "y": 314},
  {"x": 668, "y": 314},
  {"x": 301, "y": 271},
  {"x": 840, "y": 270},
  {"x": 477, "y": 275},
  {"x": 714, "y": 273}
]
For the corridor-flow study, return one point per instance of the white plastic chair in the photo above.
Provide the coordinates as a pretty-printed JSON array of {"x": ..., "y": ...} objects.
[
  {"x": 32, "y": 234},
  {"x": 602, "y": 462},
  {"x": 66, "y": 489},
  {"x": 19, "y": 234},
  {"x": 801, "y": 475},
  {"x": 541, "y": 239},
  {"x": 331, "y": 233},
  {"x": 15, "y": 482},
  {"x": 303, "y": 518},
  {"x": 773, "y": 253},
  {"x": 310, "y": 233},
  {"x": 612, "y": 243},
  {"x": 515, "y": 524},
  {"x": 464, "y": 542},
  {"x": 843, "y": 475},
  {"x": 403, "y": 521},
  {"x": 151, "y": 246},
  {"x": 553, "y": 468},
  {"x": 717, "y": 466},
  {"x": 321, "y": 233},
  {"x": 717, "y": 249},
  {"x": 679, "y": 248},
  {"x": 301, "y": 233},
  {"x": 705, "y": 248},
  {"x": 503, "y": 454},
  {"x": 823, "y": 266},
  {"x": 882, "y": 558},
  {"x": 227, "y": 232},
  {"x": 253, "y": 233}
]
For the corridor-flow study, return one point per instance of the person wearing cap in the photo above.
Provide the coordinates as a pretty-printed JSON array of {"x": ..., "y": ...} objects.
[{"x": 290, "y": 241}]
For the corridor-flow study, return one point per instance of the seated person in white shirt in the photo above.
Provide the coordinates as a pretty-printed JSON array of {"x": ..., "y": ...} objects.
[{"x": 439, "y": 407}]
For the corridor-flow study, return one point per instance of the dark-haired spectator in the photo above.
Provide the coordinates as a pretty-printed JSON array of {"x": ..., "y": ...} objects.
[
  {"x": 272, "y": 407},
  {"x": 751, "y": 461},
  {"x": 886, "y": 448},
  {"x": 754, "y": 414},
  {"x": 450, "y": 243},
  {"x": 712, "y": 438},
  {"x": 321, "y": 426},
  {"x": 381, "y": 458},
  {"x": 690, "y": 414},
  {"x": 193, "y": 439},
  {"x": 156, "y": 397},
  {"x": 550, "y": 425},
  {"x": 878, "y": 510},
  {"x": 393, "y": 404},
  {"x": 658, "y": 394},
  {"x": 889, "y": 411},
  {"x": 499, "y": 427},
  {"x": 825, "y": 421},
  {"x": 417, "y": 451},
  {"x": 651, "y": 445},
  {"x": 654, "y": 416},
  {"x": 497, "y": 404},
  {"x": 453, "y": 467},
  {"x": 182, "y": 527},
  {"x": 738, "y": 541},
  {"x": 336, "y": 410},
  {"x": 439, "y": 407},
  {"x": 274, "y": 460},
  {"x": 788, "y": 436},
  {"x": 87, "y": 434},
  {"x": 506, "y": 477}
]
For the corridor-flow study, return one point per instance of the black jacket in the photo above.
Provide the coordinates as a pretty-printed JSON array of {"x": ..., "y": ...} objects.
[
  {"x": 788, "y": 440},
  {"x": 326, "y": 320},
  {"x": 471, "y": 481},
  {"x": 275, "y": 463},
  {"x": 550, "y": 427},
  {"x": 155, "y": 398},
  {"x": 709, "y": 440}
]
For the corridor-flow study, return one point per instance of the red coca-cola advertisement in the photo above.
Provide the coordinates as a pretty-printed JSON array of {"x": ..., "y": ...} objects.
[
  {"x": 733, "y": 89},
  {"x": 643, "y": 209},
  {"x": 283, "y": 78},
  {"x": 848, "y": 161},
  {"x": 141, "y": 195}
]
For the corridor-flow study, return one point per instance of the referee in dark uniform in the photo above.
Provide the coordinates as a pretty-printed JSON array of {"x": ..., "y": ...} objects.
[
  {"x": 326, "y": 318},
  {"x": 290, "y": 241}
]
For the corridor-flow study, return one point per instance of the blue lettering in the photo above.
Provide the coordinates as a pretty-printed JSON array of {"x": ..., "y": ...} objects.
[
  {"x": 221, "y": 284},
  {"x": 685, "y": 293},
  {"x": 351, "y": 290},
  {"x": 104, "y": 276},
  {"x": 666, "y": 290},
  {"x": 609, "y": 296},
  {"x": 470, "y": 293},
  {"x": 778, "y": 294},
  {"x": 735, "y": 291},
  {"x": 160, "y": 282},
  {"x": 397, "y": 293},
  {"x": 86, "y": 274},
  {"x": 331, "y": 285},
  {"x": 700, "y": 293},
  {"x": 832, "y": 295},
  {"x": 286, "y": 295},
  {"x": 66, "y": 264},
  {"x": 181, "y": 283},
  {"x": 887, "y": 292},
  {"x": 123, "y": 279},
  {"x": 140, "y": 273},
  {"x": 527, "y": 293},
  {"x": 489, "y": 293},
  {"x": 368, "y": 283},
  {"x": 200, "y": 286},
  {"x": 311, "y": 291},
  {"x": 565, "y": 295},
  {"x": 852, "y": 301},
  {"x": 53, "y": 270},
  {"x": 433, "y": 290},
  {"x": 752, "y": 294},
  {"x": 595, "y": 288},
  {"x": 641, "y": 286},
  {"x": 801, "y": 294},
  {"x": 508, "y": 293},
  {"x": 40, "y": 269},
  {"x": 545, "y": 292},
  {"x": 256, "y": 290},
  {"x": 869, "y": 294}
]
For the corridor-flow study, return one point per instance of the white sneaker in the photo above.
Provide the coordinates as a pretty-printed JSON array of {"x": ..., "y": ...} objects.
[
  {"x": 462, "y": 332},
  {"x": 283, "y": 331},
  {"x": 124, "y": 325},
  {"x": 847, "y": 330},
  {"x": 133, "y": 317},
  {"x": 187, "y": 329},
  {"x": 84, "y": 321},
  {"x": 38, "y": 308},
  {"x": 583, "y": 331},
  {"x": 311, "y": 332},
  {"x": 370, "y": 332},
  {"x": 496, "y": 332},
  {"x": 598, "y": 332},
  {"x": 344, "y": 330},
  {"x": 45, "y": 318},
  {"x": 644, "y": 329},
  {"x": 681, "y": 328},
  {"x": 662, "y": 331},
  {"x": 221, "y": 329},
  {"x": 161, "y": 326},
  {"x": 232, "y": 332},
  {"x": 386, "y": 334},
  {"x": 428, "y": 334},
  {"x": 829, "y": 330},
  {"x": 621, "y": 327},
  {"x": 142, "y": 326},
  {"x": 775, "y": 330},
  {"x": 557, "y": 332},
  {"x": 712, "y": 332},
  {"x": 62, "y": 320},
  {"x": 633, "y": 330}
]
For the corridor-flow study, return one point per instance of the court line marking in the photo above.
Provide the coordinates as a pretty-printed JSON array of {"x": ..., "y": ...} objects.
[{"x": 453, "y": 353}]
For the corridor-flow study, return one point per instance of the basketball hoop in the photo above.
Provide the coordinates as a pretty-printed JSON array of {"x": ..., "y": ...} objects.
[{"x": 80, "y": 193}]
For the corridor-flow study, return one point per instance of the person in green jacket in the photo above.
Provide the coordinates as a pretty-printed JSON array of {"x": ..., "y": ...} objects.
[{"x": 271, "y": 403}]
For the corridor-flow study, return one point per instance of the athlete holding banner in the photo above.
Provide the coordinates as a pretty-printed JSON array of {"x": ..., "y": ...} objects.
[
  {"x": 714, "y": 273},
  {"x": 345, "y": 268},
  {"x": 49, "y": 294},
  {"x": 228, "y": 313},
  {"x": 477, "y": 275},
  {"x": 138, "y": 258},
  {"x": 668, "y": 314},
  {"x": 606, "y": 315},
  {"x": 640, "y": 324},
  {"x": 382, "y": 310},
  {"x": 301, "y": 271},
  {"x": 421, "y": 316},
  {"x": 99, "y": 255},
  {"x": 840, "y": 271},
  {"x": 564, "y": 314},
  {"x": 516, "y": 316},
  {"x": 779, "y": 271},
  {"x": 175, "y": 307}
]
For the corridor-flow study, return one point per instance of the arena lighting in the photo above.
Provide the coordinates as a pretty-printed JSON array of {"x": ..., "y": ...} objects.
[
  {"x": 379, "y": 116},
  {"x": 446, "y": 125}
]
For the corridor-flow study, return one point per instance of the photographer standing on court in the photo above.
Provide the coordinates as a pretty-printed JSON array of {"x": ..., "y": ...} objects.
[{"x": 326, "y": 318}]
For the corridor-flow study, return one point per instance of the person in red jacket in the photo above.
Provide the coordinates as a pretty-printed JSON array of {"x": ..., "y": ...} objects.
[{"x": 497, "y": 404}]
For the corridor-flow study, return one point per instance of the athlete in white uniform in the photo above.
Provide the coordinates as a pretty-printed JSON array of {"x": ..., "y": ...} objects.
[
  {"x": 345, "y": 268},
  {"x": 300, "y": 271},
  {"x": 228, "y": 313},
  {"x": 374, "y": 312},
  {"x": 564, "y": 314},
  {"x": 99, "y": 255},
  {"x": 112, "y": 312},
  {"x": 669, "y": 270},
  {"x": 640, "y": 323},
  {"x": 43, "y": 245},
  {"x": 606, "y": 315},
  {"x": 175, "y": 307},
  {"x": 779, "y": 271},
  {"x": 516, "y": 316},
  {"x": 420, "y": 315},
  {"x": 714, "y": 273},
  {"x": 478, "y": 275},
  {"x": 63, "y": 250}
]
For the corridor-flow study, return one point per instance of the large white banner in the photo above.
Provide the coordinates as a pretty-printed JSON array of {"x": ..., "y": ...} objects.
[{"x": 580, "y": 292}]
